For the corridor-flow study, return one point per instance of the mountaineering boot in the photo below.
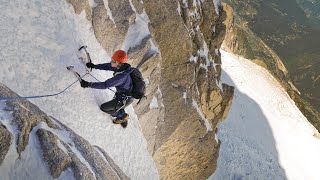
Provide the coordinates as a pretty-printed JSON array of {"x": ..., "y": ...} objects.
[
  {"x": 124, "y": 124},
  {"x": 122, "y": 120}
]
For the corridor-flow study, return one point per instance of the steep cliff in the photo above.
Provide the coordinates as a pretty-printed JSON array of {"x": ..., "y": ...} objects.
[
  {"x": 30, "y": 138},
  {"x": 183, "y": 76}
]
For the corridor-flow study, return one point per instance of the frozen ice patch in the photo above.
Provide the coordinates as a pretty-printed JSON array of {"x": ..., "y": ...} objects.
[
  {"x": 217, "y": 4},
  {"x": 92, "y": 4},
  {"x": 153, "y": 103},
  {"x": 206, "y": 122},
  {"x": 106, "y": 5}
]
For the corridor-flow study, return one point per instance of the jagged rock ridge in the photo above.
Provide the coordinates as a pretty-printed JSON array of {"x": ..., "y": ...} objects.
[{"x": 60, "y": 148}]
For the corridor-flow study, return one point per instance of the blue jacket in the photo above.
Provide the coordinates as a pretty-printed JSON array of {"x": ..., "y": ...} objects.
[{"x": 121, "y": 78}]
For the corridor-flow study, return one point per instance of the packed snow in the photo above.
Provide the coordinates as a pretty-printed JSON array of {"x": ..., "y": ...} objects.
[
  {"x": 265, "y": 136},
  {"x": 106, "y": 5},
  {"x": 154, "y": 103},
  {"x": 38, "y": 40},
  {"x": 137, "y": 31},
  {"x": 204, "y": 119},
  {"x": 217, "y": 4}
]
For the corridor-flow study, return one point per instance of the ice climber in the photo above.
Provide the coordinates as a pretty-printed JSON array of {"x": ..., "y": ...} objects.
[{"x": 121, "y": 80}]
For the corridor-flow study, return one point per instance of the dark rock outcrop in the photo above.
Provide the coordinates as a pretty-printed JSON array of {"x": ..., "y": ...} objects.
[
  {"x": 5, "y": 141},
  {"x": 59, "y": 152},
  {"x": 57, "y": 159}
]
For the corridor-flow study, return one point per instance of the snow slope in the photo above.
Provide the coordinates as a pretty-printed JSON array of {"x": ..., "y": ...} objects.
[
  {"x": 265, "y": 136},
  {"x": 38, "y": 40}
]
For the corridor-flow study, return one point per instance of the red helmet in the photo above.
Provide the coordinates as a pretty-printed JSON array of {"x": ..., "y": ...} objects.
[{"x": 120, "y": 56}]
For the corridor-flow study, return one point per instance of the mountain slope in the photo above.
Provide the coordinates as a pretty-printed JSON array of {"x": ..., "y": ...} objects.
[
  {"x": 35, "y": 146},
  {"x": 38, "y": 40},
  {"x": 290, "y": 29},
  {"x": 265, "y": 135}
]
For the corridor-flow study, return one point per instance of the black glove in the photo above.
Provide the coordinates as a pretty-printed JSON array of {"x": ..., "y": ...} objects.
[
  {"x": 84, "y": 83},
  {"x": 90, "y": 65}
]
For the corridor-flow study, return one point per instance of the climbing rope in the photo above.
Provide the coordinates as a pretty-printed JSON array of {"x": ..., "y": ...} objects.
[
  {"x": 40, "y": 96},
  {"x": 49, "y": 95}
]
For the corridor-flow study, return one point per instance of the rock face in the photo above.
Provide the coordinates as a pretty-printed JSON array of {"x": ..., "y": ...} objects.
[
  {"x": 80, "y": 5},
  {"x": 186, "y": 99},
  {"x": 184, "y": 148},
  {"x": 6, "y": 141},
  {"x": 241, "y": 40},
  {"x": 111, "y": 27},
  {"x": 56, "y": 158},
  {"x": 58, "y": 151}
]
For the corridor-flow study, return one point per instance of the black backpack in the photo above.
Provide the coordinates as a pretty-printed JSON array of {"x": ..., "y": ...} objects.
[{"x": 139, "y": 86}]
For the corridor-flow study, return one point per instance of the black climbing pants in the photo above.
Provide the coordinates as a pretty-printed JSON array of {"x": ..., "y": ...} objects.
[{"x": 112, "y": 107}]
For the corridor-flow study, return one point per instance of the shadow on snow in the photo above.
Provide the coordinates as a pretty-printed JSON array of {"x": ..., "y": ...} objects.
[{"x": 248, "y": 148}]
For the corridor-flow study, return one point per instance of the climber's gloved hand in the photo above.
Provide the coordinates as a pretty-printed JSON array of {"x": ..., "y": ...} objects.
[
  {"x": 91, "y": 65},
  {"x": 84, "y": 83}
]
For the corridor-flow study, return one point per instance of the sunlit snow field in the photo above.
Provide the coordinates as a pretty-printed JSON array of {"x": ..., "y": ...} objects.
[{"x": 265, "y": 136}]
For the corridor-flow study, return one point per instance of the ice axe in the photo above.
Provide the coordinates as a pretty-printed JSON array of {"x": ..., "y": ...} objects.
[
  {"x": 88, "y": 55},
  {"x": 77, "y": 75}
]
